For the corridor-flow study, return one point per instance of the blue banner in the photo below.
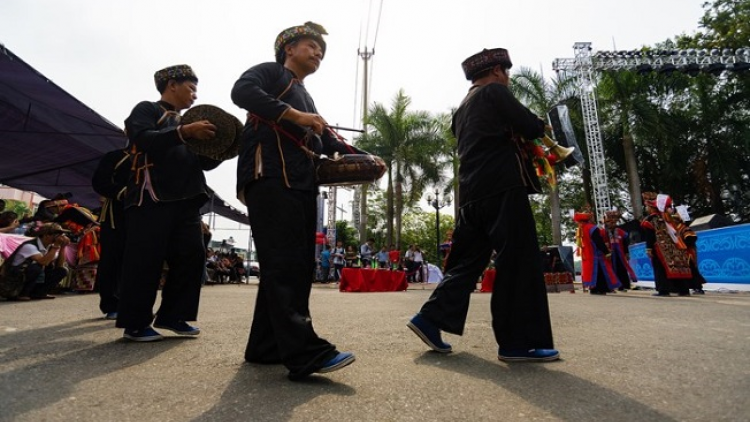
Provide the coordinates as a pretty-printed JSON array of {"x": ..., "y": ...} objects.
[{"x": 723, "y": 256}]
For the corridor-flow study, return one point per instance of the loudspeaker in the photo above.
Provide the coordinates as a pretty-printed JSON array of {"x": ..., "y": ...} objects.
[
  {"x": 562, "y": 129},
  {"x": 711, "y": 221},
  {"x": 557, "y": 259}
]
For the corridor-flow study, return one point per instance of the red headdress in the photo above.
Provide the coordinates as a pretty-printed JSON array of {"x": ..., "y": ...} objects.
[{"x": 583, "y": 217}]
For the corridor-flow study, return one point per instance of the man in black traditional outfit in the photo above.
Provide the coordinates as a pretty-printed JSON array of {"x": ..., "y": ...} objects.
[
  {"x": 110, "y": 180},
  {"x": 494, "y": 215},
  {"x": 276, "y": 180},
  {"x": 165, "y": 191}
]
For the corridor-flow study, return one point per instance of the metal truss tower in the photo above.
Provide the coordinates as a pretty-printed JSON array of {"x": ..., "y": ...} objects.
[{"x": 584, "y": 65}]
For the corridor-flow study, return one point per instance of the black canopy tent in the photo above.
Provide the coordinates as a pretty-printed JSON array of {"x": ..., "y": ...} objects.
[
  {"x": 50, "y": 142},
  {"x": 218, "y": 206}
]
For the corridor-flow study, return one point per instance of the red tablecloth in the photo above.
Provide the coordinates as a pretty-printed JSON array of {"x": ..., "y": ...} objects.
[
  {"x": 488, "y": 280},
  {"x": 369, "y": 280},
  {"x": 555, "y": 282},
  {"x": 558, "y": 282}
]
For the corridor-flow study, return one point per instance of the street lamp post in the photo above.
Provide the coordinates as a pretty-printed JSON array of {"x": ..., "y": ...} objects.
[{"x": 436, "y": 202}]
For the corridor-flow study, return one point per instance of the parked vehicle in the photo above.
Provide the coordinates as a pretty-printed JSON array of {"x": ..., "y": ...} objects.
[{"x": 253, "y": 269}]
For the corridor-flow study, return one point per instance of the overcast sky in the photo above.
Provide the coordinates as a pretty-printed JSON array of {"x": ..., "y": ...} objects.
[{"x": 105, "y": 52}]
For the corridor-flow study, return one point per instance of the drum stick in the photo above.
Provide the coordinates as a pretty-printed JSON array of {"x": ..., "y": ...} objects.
[{"x": 346, "y": 128}]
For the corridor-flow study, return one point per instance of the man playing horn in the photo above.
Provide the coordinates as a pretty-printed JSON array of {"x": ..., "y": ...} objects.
[{"x": 495, "y": 214}]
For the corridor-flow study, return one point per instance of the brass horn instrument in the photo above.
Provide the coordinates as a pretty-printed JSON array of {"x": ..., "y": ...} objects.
[{"x": 556, "y": 149}]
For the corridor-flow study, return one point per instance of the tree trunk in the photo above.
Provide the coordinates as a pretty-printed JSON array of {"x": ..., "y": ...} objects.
[
  {"x": 389, "y": 208},
  {"x": 399, "y": 210},
  {"x": 634, "y": 180},
  {"x": 399, "y": 199},
  {"x": 587, "y": 188}
]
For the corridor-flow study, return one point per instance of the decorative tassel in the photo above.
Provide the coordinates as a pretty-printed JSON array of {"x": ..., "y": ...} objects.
[{"x": 543, "y": 162}]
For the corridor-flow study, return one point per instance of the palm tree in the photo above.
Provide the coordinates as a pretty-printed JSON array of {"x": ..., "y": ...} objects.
[
  {"x": 624, "y": 100},
  {"x": 449, "y": 153},
  {"x": 410, "y": 145},
  {"x": 540, "y": 96}
]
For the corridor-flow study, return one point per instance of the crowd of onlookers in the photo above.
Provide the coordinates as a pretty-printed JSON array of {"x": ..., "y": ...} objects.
[
  {"x": 224, "y": 267},
  {"x": 37, "y": 266},
  {"x": 50, "y": 226},
  {"x": 9, "y": 222},
  {"x": 333, "y": 259}
]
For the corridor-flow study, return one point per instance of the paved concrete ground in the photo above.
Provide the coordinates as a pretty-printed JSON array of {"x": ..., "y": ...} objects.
[{"x": 626, "y": 357}]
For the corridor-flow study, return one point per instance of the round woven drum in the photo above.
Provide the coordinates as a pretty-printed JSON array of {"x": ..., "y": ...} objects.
[
  {"x": 350, "y": 169},
  {"x": 226, "y": 130},
  {"x": 234, "y": 148}
]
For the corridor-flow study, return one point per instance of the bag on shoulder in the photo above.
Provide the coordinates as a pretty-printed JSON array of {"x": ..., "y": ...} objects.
[{"x": 12, "y": 279}]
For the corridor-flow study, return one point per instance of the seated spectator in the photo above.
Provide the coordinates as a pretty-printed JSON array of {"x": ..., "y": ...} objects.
[
  {"x": 8, "y": 222},
  {"x": 382, "y": 258},
  {"x": 394, "y": 256},
  {"x": 210, "y": 266},
  {"x": 223, "y": 270},
  {"x": 41, "y": 261},
  {"x": 238, "y": 269},
  {"x": 351, "y": 257},
  {"x": 366, "y": 252}
]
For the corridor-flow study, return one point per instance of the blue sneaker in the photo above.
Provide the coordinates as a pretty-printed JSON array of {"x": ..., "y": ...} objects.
[
  {"x": 337, "y": 362},
  {"x": 111, "y": 315},
  {"x": 143, "y": 334},
  {"x": 429, "y": 334},
  {"x": 532, "y": 355},
  {"x": 180, "y": 327}
]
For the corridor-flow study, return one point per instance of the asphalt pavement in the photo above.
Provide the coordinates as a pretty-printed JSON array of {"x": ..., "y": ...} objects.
[{"x": 625, "y": 357}]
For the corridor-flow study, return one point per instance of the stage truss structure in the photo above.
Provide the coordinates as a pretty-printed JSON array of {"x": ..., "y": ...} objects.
[{"x": 584, "y": 65}]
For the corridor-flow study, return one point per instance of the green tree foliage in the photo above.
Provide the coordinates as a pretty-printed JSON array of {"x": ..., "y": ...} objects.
[
  {"x": 21, "y": 208},
  {"x": 716, "y": 114},
  {"x": 419, "y": 229},
  {"x": 725, "y": 24},
  {"x": 449, "y": 156},
  {"x": 346, "y": 234},
  {"x": 689, "y": 136},
  {"x": 410, "y": 145}
]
